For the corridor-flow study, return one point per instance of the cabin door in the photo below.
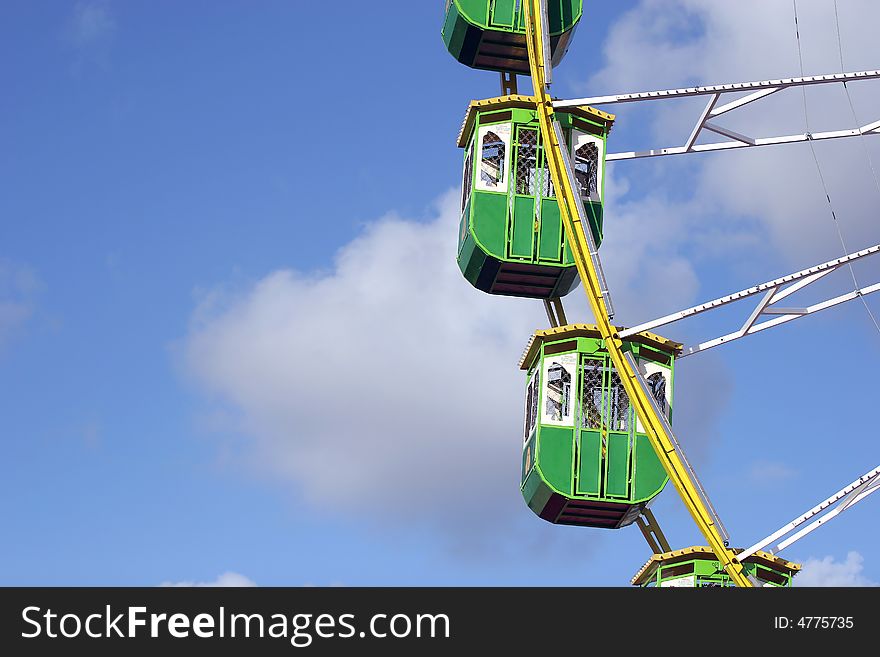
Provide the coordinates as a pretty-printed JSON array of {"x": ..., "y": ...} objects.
[
  {"x": 523, "y": 221},
  {"x": 535, "y": 229},
  {"x": 604, "y": 460}
]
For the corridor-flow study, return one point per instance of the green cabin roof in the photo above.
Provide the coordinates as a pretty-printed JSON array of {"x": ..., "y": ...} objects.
[
  {"x": 524, "y": 102},
  {"x": 766, "y": 559},
  {"x": 591, "y": 331}
]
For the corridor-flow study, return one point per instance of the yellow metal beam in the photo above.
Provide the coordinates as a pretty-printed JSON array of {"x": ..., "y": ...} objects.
[{"x": 574, "y": 229}]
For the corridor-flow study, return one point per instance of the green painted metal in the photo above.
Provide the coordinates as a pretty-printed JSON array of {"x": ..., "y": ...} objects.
[
  {"x": 522, "y": 228},
  {"x": 554, "y": 457},
  {"x": 589, "y": 474},
  {"x": 702, "y": 571},
  {"x": 503, "y": 13},
  {"x": 585, "y": 460},
  {"x": 539, "y": 494},
  {"x": 649, "y": 473},
  {"x": 550, "y": 238},
  {"x": 490, "y": 34},
  {"x": 511, "y": 240},
  {"x": 618, "y": 473},
  {"x": 491, "y": 234}
]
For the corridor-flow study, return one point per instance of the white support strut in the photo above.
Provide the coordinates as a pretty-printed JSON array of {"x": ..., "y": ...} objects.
[
  {"x": 774, "y": 292},
  {"x": 765, "y": 86},
  {"x": 832, "y": 507},
  {"x": 743, "y": 141},
  {"x": 759, "y": 91}
]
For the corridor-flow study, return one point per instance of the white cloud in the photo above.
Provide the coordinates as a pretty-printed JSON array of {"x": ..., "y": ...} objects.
[
  {"x": 91, "y": 22},
  {"x": 387, "y": 388},
  {"x": 12, "y": 315},
  {"x": 646, "y": 269},
  {"x": 227, "y": 579},
  {"x": 750, "y": 215},
  {"x": 829, "y": 572},
  {"x": 91, "y": 434},
  {"x": 18, "y": 288},
  {"x": 777, "y": 187},
  {"x": 770, "y": 472}
]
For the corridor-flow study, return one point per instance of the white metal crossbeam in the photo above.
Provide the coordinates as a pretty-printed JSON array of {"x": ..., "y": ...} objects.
[
  {"x": 759, "y": 91},
  {"x": 763, "y": 85},
  {"x": 774, "y": 292},
  {"x": 785, "y": 315},
  {"x": 842, "y": 500}
]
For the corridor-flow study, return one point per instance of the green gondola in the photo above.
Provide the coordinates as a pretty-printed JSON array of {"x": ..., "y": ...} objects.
[
  {"x": 511, "y": 238},
  {"x": 586, "y": 459},
  {"x": 698, "y": 567},
  {"x": 490, "y": 34}
]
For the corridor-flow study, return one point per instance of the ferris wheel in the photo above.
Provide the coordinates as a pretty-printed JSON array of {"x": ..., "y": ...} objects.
[{"x": 597, "y": 440}]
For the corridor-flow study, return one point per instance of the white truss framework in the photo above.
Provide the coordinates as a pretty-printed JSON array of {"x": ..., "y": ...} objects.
[
  {"x": 773, "y": 293},
  {"x": 842, "y": 500},
  {"x": 712, "y": 110}
]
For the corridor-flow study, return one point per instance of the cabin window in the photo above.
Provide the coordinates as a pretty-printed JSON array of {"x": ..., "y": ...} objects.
[
  {"x": 558, "y": 392},
  {"x": 532, "y": 171},
  {"x": 688, "y": 581},
  {"x": 532, "y": 394},
  {"x": 547, "y": 190},
  {"x": 492, "y": 164},
  {"x": 586, "y": 168},
  {"x": 604, "y": 401},
  {"x": 591, "y": 394},
  {"x": 618, "y": 405},
  {"x": 526, "y": 161},
  {"x": 769, "y": 576},
  {"x": 493, "y": 146},
  {"x": 658, "y": 379},
  {"x": 657, "y": 384},
  {"x": 559, "y": 374},
  {"x": 467, "y": 181},
  {"x": 588, "y": 165}
]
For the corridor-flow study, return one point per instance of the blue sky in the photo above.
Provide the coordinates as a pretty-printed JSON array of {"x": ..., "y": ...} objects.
[{"x": 227, "y": 230}]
